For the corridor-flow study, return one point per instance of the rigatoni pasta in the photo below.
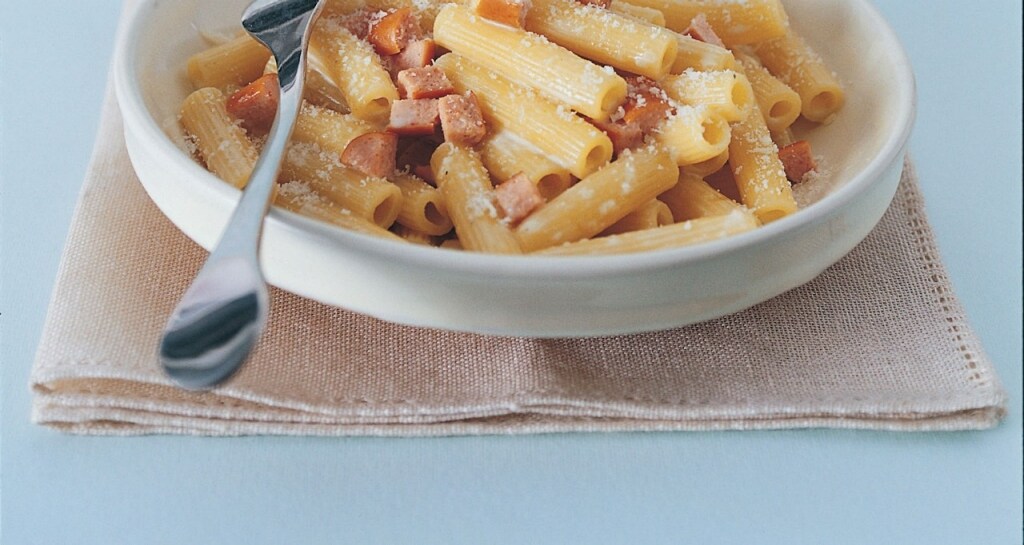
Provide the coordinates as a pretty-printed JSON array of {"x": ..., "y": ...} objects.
[
  {"x": 791, "y": 60},
  {"x": 424, "y": 208},
  {"x": 693, "y": 135},
  {"x": 779, "y": 104},
  {"x": 505, "y": 154},
  {"x": 641, "y": 13},
  {"x": 301, "y": 199},
  {"x": 724, "y": 92},
  {"x": 659, "y": 238},
  {"x": 599, "y": 200},
  {"x": 549, "y": 69},
  {"x": 653, "y": 213},
  {"x": 467, "y": 188},
  {"x": 320, "y": 90},
  {"x": 605, "y": 36},
  {"x": 736, "y": 21},
  {"x": 555, "y": 127},
  {"x": 374, "y": 199},
  {"x": 356, "y": 69},
  {"x": 693, "y": 198},
  {"x": 708, "y": 166},
  {"x": 231, "y": 64},
  {"x": 328, "y": 129},
  {"x": 221, "y": 142},
  {"x": 698, "y": 55},
  {"x": 563, "y": 137},
  {"x": 760, "y": 176}
]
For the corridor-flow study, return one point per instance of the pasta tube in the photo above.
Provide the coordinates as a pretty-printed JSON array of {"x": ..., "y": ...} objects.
[
  {"x": 469, "y": 195},
  {"x": 563, "y": 137},
  {"x": 374, "y": 199},
  {"x": 651, "y": 214},
  {"x": 759, "y": 174},
  {"x": 298, "y": 197},
  {"x": 604, "y": 36},
  {"x": 231, "y": 64},
  {"x": 319, "y": 90},
  {"x": 693, "y": 198},
  {"x": 670, "y": 236},
  {"x": 693, "y": 135},
  {"x": 531, "y": 61},
  {"x": 724, "y": 92},
  {"x": 221, "y": 142},
  {"x": 599, "y": 200},
  {"x": 646, "y": 14},
  {"x": 505, "y": 155},
  {"x": 779, "y": 104},
  {"x": 698, "y": 55},
  {"x": 708, "y": 166},
  {"x": 641, "y": 13},
  {"x": 735, "y": 21},
  {"x": 355, "y": 68},
  {"x": 423, "y": 208},
  {"x": 791, "y": 60},
  {"x": 783, "y": 138},
  {"x": 337, "y": 8},
  {"x": 328, "y": 129}
]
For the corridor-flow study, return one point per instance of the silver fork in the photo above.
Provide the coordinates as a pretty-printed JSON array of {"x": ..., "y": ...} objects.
[{"x": 223, "y": 313}]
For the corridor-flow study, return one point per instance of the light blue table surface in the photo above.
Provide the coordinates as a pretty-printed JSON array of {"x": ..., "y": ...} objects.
[{"x": 810, "y": 486}]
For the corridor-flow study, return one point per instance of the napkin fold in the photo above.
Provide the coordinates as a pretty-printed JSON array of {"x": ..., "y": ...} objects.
[{"x": 878, "y": 341}]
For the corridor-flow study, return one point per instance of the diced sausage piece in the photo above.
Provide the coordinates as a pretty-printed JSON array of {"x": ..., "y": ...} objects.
[
  {"x": 426, "y": 82},
  {"x": 417, "y": 54},
  {"x": 645, "y": 109},
  {"x": 417, "y": 116},
  {"x": 599, "y": 3},
  {"x": 256, "y": 104},
  {"x": 797, "y": 160},
  {"x": 623, "y": 135},
  {"x": 372, "y": 153},
  {"x": 506, "y": 12},
  {"x": 394, "y": 31},
  {"x": 517, "y": 198},
  {"x": 646, "y": 105},
  {"x": 461, "y": 120},
  {"x": 700, "y": 29},
  {"x": 425, "y": 172}
]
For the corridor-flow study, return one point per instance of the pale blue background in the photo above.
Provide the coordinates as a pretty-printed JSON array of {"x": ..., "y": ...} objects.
[{"x": 817, "y": 486}]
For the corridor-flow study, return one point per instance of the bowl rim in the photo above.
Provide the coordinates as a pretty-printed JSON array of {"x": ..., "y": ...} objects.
[{"x": 141, "y": 121}]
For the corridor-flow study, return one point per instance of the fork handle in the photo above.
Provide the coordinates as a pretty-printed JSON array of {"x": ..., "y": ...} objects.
[{"x": 241, "y": 236}]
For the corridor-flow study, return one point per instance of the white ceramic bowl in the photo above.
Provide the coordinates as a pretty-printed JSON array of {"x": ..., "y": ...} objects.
[{"x": 537, "y": 296}]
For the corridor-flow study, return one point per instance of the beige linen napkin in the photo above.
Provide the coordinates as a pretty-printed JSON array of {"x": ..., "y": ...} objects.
[{"x": 877, "y": 341}]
